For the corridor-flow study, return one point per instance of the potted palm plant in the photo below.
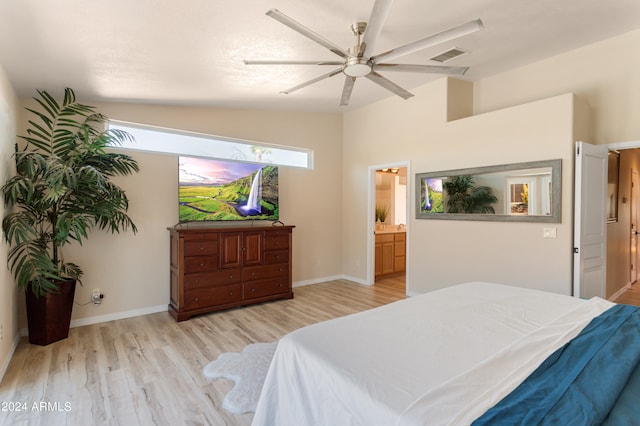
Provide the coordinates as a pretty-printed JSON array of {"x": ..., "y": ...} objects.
[{"x": 61, "y": 191}]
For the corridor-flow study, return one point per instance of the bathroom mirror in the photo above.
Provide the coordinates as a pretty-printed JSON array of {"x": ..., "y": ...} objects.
[{"x": 519, "y": 192}]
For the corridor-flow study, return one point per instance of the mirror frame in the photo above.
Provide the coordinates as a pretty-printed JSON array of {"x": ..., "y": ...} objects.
[{"x": 556, "y": 193}]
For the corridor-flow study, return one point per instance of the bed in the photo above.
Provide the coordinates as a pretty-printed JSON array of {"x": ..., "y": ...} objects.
[{"x": 454, "y": 356}]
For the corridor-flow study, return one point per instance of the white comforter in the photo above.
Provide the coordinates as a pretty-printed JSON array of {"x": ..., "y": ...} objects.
[{"x": 440, "y": 358}]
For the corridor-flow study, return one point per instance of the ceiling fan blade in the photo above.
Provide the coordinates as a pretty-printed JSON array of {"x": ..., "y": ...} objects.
[
  {"x": 310, "y": 82},
  {"x": 277, "y": 62},
  {"x": 374, "y": 26},
  {"x": 296, "y": 26},
  {"x": 346, "y": 91},
  {"x": 432, "y": 40},
  {"x": 428, "y": 69},
  {"x": 388, "y": 84}
]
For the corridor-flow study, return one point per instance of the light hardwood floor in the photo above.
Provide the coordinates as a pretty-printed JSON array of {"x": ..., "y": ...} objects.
[
  {"x": 147, "y": 370},
  {"x": 631, "y": 296}
]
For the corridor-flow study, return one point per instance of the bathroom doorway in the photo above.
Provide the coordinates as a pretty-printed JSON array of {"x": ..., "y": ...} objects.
[{"x": 390, "y": 193}]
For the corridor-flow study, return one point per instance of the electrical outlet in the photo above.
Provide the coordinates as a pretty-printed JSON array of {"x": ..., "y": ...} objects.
[{"x": 96, "y": 296}]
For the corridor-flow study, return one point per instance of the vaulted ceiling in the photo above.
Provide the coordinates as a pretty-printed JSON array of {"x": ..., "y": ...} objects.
[{"x": 192, "y": 51}]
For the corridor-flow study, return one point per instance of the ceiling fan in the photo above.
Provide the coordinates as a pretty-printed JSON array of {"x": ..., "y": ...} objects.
[{"x": 359, "y": 61}]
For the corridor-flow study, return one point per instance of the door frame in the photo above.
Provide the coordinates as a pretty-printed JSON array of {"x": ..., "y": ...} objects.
[
  {"x": 634, "y": 201},
  {"x": 619, "y": 146},
  {"x": 371, "y": 215}
]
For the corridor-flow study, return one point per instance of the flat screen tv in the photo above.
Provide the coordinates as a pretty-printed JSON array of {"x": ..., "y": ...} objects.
[{"x": 215, "y": 190}]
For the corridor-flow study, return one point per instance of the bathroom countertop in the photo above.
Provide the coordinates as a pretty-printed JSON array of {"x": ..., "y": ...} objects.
[{"x": 390, "y": 230}]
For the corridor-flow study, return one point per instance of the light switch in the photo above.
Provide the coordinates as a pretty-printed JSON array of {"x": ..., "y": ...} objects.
[{"x": 549, "y": 232}]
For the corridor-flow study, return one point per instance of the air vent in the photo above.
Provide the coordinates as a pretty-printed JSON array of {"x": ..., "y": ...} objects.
[{"x": 448, "y": 55}]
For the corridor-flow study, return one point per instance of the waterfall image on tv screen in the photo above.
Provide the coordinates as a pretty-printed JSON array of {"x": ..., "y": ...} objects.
[{"x": 211, "y": 190}]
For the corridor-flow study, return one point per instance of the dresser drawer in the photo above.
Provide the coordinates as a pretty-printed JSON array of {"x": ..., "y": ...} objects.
[
  {"x": 198, "y": 264},
  {"x": 266, "y": 288},
  {"x": 201, "y": 236},
  {"x": 256, "y": 273},
  {"x": 275, "y": 242},
  {"x": 201, "y": 247},
  {"x": 203, "y": 298},
  {"x": 212, "y": 279},
  {"x": 276, "y": 256},
  {"x": 275, "y": 232}
]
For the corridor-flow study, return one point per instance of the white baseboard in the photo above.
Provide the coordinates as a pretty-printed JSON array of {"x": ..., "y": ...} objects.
[
  {"x": 163, "y": 308},
  {"x": 325, "y": 279},
  {"x": 118, "y": 315},
  {"x": 316, "y": 281},
  {"x": 5, "y": 364},
  {"x": 111, "y": 317},
  {"x": 355, "y": 280},
  {"x": 619, "y": 292}
]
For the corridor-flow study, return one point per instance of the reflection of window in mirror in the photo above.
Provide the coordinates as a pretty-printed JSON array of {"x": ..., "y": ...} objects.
[
  {"x": 547, "y": 202},
  {"x": 521, "y": 196}
]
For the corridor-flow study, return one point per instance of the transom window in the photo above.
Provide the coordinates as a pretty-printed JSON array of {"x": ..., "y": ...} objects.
[{"x": 169, "y": 141}]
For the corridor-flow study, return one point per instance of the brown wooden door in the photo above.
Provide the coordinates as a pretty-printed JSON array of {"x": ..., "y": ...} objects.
[
  {"x": 230, "y": 249},
  {"x": 387, "y": 258},
  {"x": 253, "y": 248}
]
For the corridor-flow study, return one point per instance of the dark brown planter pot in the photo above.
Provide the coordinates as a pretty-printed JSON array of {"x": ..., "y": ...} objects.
[{"x": 49, "y": 316}]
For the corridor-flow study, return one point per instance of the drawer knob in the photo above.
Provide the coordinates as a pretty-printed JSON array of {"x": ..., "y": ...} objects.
[
  {"x": 281, "y": 269},
  {"x": 201, "y": 248},
  {"x": 202, "y": 265},
  {"x": 230, "y": 277},
  {"x": 253, "y": 273},
  {"x": 230, "y": 293},
  {"x": 281, "y": 285},
  {"x": 196, "y": 299},
  {"x": 253, "y": 290},
  {"x": 277, "y": 256},
  {"x": 197, "y": 281}
]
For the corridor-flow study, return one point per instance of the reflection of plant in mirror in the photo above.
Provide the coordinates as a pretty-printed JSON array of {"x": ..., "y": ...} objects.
[
  {"x": 525, "y": 194},
  {"x": 464, "y": 197},
  {"x": 381, "y": 213}
]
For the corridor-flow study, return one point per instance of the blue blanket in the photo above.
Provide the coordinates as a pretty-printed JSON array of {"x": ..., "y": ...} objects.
[{"x": 591, "y": 380}]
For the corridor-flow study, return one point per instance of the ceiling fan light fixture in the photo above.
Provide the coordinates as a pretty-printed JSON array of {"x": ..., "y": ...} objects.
[
  {"x": 357, "y": 61},
  {"x": 357, "y": 67}
]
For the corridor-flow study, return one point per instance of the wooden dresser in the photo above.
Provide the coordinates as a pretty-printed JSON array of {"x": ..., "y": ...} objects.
[{"x": 220, "y": 268}]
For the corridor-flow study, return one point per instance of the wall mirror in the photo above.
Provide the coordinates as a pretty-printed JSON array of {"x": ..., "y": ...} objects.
[{"x": 519, "y": 192}]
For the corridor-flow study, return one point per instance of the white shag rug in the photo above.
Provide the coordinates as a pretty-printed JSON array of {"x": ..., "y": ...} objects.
[{"x": 248, "y": 370}]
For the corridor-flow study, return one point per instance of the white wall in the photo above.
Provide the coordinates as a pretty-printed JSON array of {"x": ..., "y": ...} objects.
[
  {"x": 133, "y": 270},
  {"x": 605, "y": 74},
  {"x": 442, "y": 253},
  {"x": 8, "y": 298}
]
